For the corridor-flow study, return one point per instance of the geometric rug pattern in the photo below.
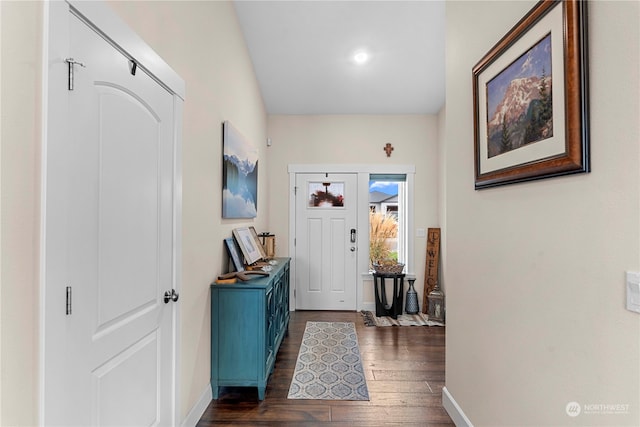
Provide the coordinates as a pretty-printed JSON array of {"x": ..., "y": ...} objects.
[
  {"x": 329, "y": 365},
  {"x": 419, "y": 319}
]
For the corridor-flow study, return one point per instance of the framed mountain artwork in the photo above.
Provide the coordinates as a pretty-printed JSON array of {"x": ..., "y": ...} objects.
[
  {"x": 531, "y": 99},
  {"x": 239, "y": 175}
]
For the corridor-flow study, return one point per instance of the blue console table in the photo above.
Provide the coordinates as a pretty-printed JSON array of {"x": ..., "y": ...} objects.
[{"x": 248, "y": 322}]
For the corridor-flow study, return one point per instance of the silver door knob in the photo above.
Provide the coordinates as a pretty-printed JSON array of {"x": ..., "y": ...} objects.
[
  {"x": 353, "y": 249},
  {"x": 171, "y": 295}
]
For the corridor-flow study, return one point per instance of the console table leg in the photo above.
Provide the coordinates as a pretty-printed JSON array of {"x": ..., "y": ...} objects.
[{"x": 215, "y": 391}]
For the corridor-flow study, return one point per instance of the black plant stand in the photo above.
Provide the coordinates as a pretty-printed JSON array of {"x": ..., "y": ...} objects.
[{"x": 382, "y": 307}]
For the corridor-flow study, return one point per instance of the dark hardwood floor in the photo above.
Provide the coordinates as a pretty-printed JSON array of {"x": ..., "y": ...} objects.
[{"x": 404, "y": 367}]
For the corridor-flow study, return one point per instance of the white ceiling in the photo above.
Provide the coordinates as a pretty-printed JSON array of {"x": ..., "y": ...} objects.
[{"x": 302, "y": 54}]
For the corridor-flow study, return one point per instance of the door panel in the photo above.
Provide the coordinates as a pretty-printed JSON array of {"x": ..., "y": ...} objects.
[
  {"x": 314, "y": 252},
  {"x": 326, "y": 208},
  {"x": 117, "y": 386},
  {"x": 110, "y": 192},
  {"x": 338, "y": 255},
  {"x": 129, "y": 208}
]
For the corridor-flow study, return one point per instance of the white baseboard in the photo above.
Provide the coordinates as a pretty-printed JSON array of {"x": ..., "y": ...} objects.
[
  {"x": 198, "y": 409},
  {"x": 454, "y": 410},
  {"x": 369, "y": 306}
]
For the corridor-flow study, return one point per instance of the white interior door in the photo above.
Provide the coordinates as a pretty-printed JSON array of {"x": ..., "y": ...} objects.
[
  {"x": 109, "y": 242},
  {"x": 325, "y": 248}
]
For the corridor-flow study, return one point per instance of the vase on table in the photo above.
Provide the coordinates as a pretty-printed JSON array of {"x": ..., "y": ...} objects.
[{"x": 411, "y": 304}]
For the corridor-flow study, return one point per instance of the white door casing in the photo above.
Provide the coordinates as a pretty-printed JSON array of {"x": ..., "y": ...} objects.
[
  {"x": 325, "y": 250},
  {"x": 110, "y": 209}
]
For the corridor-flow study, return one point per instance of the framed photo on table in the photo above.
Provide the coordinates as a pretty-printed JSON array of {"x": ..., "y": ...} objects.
[
  {"x": 530, "y": 98},
  {"x": 256, "y": 239},
  {"x": 234, "y": 255},
  {"x": 248, "y": 246}
]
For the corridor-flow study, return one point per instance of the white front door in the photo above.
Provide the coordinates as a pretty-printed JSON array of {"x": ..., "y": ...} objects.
[
  {"x": 325, "y": 247},
  {"x": 109, "y": 337}
]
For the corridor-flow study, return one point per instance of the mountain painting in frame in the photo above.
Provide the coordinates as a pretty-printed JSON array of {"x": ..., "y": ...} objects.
[
  {"x": 239, "y": 175},
  {"x": 530, "y": 95}
]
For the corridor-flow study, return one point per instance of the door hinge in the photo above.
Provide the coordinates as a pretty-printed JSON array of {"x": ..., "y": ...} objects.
[
  {"x": 68, "y": 300},
  {"x": 71, "y": 62},
  {"x": 294, "y": 241},
  {"x": 295, "y": 191}
]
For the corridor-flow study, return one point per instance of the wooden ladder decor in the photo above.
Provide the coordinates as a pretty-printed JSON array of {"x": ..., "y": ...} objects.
[{"x": 431, "y": 267}]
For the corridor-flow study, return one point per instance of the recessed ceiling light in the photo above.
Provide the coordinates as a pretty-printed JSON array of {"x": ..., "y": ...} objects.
[{"x": 361, "y": 57}]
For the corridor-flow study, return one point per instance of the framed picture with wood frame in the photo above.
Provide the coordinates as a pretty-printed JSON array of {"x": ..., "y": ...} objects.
[
  {"x": 256, "y": 239},
  {"x": 530, "y": 98}
]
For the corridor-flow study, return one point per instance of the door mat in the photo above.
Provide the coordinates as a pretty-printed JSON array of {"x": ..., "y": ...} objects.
[
  {"x": 419, "y": 319},
  {"x": 329, "y": 365}
]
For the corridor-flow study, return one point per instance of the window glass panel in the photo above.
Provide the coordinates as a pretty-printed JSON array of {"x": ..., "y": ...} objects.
[
  {"x": 326, "y": 194},
  {"x": 387, "y": 218}
]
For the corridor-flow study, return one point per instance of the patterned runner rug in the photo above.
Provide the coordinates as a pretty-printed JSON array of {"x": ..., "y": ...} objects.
[
  {"x": 419, "y": 319},
  {"x": 329, "y": 365}
]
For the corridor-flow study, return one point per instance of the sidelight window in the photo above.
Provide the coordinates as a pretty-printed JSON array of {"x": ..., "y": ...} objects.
[{"x": 388, "y": 216}]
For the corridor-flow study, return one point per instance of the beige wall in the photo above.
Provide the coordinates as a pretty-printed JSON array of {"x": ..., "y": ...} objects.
[
  {"x": 536, "y": 272},
  {"x": 203, "y": 43},
  {"x": 20, "y": 145},
  {"x": 354, "y": 139}
]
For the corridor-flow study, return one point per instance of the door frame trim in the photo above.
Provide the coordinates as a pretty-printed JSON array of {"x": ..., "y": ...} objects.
[
  {"x": 55, "y": 39},
  {"x": 362, "y": 171}
]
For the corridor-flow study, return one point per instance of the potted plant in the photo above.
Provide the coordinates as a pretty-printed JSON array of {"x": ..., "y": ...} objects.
[{"x": 382, "y": 227}]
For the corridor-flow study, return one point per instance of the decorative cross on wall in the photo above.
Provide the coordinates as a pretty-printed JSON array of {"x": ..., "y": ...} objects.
[{"x": 388, "y": 149}]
